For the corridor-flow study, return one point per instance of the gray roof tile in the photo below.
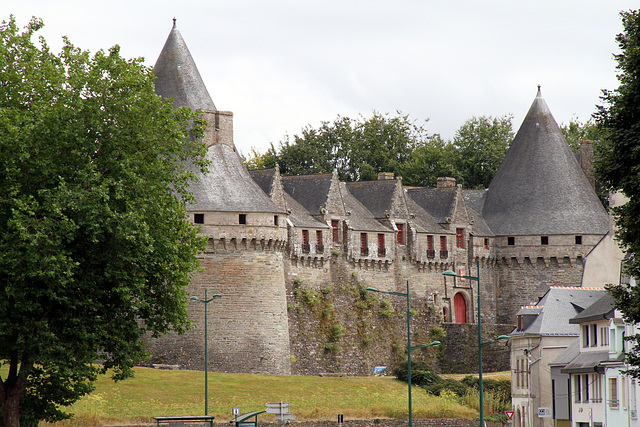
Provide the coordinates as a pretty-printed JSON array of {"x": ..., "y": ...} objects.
[
  {"x": 555, "y": 309},
  {"x": 539, "y": 188},
  {"x": 178, "y": 76}
]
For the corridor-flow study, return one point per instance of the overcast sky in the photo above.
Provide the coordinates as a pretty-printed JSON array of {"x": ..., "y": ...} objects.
[{"x": 279, "y": 65}]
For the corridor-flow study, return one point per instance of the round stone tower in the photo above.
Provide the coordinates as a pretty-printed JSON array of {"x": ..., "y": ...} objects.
[{"x": 243, "y": 261}]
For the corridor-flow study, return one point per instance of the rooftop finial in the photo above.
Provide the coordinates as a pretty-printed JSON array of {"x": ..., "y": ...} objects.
[
  {"x": 539, "y": 91},
  {"x": 174, "y": 22}
]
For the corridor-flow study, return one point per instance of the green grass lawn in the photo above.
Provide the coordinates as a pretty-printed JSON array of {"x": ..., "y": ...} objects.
[{"x": 164, "y": 393}]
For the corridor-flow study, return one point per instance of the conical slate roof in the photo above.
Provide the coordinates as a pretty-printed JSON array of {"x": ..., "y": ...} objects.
[
  {"x": 539, "y": 188},
  {"x": 178, "y": 76}
]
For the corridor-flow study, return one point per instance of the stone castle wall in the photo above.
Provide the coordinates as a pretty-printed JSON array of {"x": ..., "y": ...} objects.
[{"x": 247, "y": 327}]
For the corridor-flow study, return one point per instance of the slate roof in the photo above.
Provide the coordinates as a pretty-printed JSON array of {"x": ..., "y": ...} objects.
[
  {"x": 360, "y": 218},
  {"x": 568, "y": 355},
  {"x": 539, "y": 188},
  {"x": 586, "y": 361},
  {"x": 228, "y": 187},
  {"x": 556, "y": 307},
  {"x": 300, "y": 217},
  {"x": 264, "y": 178},
  {"x": 376, "y": 196},
  {"x": 438, "y": 202},
  {"x": 601, "y": 309},
  {"x": 423, "y": 220},
  {"x": 178, "y": 76},
  {"x": 311, "y": 191}
]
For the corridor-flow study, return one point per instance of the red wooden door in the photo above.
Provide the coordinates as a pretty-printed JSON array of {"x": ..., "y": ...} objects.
[{"x": 460, "y": 308}]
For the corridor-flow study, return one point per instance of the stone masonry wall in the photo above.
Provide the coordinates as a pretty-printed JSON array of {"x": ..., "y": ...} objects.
[{"x": 247, "y": 327}]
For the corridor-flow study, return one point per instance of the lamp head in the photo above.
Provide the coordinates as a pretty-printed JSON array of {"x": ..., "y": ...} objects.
[
  {"x": 195, "y": 298},
  {"x": 504, "y": 338},
  {"x": 449, "y": 273},
  {"x": 436, "y": 343},
  {"x": 372, "y": 289}
]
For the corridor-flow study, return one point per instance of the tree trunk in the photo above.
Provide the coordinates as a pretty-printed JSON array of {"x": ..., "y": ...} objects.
[{"x": 11, "y": 395}]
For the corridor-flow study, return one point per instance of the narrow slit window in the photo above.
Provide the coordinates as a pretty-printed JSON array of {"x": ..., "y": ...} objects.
[
  {"x": 242, "y": 219},
  {"x": 198, "y": 218}
]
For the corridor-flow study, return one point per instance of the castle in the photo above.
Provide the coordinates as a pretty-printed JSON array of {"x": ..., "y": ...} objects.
[{"x": 271, "y": 237}]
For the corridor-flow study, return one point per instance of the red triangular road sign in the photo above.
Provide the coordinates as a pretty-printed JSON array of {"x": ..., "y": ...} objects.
[{"x": 509, "y": 414}]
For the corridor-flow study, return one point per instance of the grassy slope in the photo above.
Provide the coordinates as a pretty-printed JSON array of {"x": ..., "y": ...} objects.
[{"x": 163, "y": 393}]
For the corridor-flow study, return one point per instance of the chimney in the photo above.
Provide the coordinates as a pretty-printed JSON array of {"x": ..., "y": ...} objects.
[
  {"x": 445, "y": 182},
  {"x": 220, "y": 128},
  {"x": 586, "y": 161},
  {"x": 385, "y": 176}
]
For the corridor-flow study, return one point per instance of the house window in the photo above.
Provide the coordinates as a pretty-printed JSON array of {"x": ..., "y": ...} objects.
[
  {"x": 511, "y": 241},
  {"x": 305, "y": 241},
  {"x": 544, "y": 240},
  {"x": 578, "y": 240},
  {"x": 242, "y": 219},
  {"x": 364, "y": 247},
  {"x": 275, "y": 220},
  {"x": 431, "y": 253},
  {"x": 613, "y": 392},
  {"x": 400, "y": 233},
  {"x": 198, "y": 218},
  {"x": 334, "y": 228},
  {"x": 585, "y": 388},
  {"x": 443, "y": 247},
  {"x": 578, "y": 389},
  {"x": 594, "y": 335},
  {"x": 381, "y": 248},
  {"x": 486, "y": 243},
  {"x": 604, "y": 336},
  {"x": 585, "y": 335},
  {"x": 596, "y": 388},
  {"x": 319, "y": 242},
  {"x": 460, "y": 238}
]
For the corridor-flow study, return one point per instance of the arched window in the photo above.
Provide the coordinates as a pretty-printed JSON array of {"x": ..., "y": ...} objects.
[{"x": 460, "y": 308}]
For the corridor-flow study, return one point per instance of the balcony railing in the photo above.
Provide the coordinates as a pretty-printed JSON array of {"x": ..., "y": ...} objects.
[
  {"x": 306, "y": 248},
  {"x": 319, "y": 248},
  {"x": 431, "y": 254},
  {"x": 444, "y": 254},
  {"x": 364, "y": 251},
  {"x": 382, "y": 252}
]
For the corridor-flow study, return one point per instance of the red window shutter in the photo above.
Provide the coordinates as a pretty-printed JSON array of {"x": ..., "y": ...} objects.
[
  {"x": 364, "y": 246},
  {"x": 318, "y": 237},
  {"x": 400, "y": 234},
  {"x": 430, "y": 243},
  {"x": 335, "y": 228},
  {"x": 460, "y": 238}
]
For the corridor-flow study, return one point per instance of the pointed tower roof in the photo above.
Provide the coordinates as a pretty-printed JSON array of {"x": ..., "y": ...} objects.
[
  {"x": 539, "y": 188},
  {"x": 178, "y": 76}
]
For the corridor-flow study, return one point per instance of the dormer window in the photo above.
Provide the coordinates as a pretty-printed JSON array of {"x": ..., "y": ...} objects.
[
  {"x": 242, "y": 219},
  {"x": 460, "y": 238}
]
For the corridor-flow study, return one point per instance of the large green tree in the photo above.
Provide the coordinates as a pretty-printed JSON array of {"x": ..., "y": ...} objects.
[
  {"x": 357, "y": 148},
  {"x": 481, "y": 143},
  {"x": 96, "y": 249},
  {"x": 618, "y": 160}
]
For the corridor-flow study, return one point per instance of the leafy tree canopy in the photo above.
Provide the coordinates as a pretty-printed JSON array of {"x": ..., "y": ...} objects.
[
  {"x": 361, "y": 148},
  {"x": 96, "y": 251},
  {"x": 617, "y": 160}
]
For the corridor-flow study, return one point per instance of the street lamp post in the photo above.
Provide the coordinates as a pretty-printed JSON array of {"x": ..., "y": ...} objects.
[
  {"x": 206, "y": 301},
  {"x": 480, "y": 343},
  {"x": 409, "y": 347}
]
